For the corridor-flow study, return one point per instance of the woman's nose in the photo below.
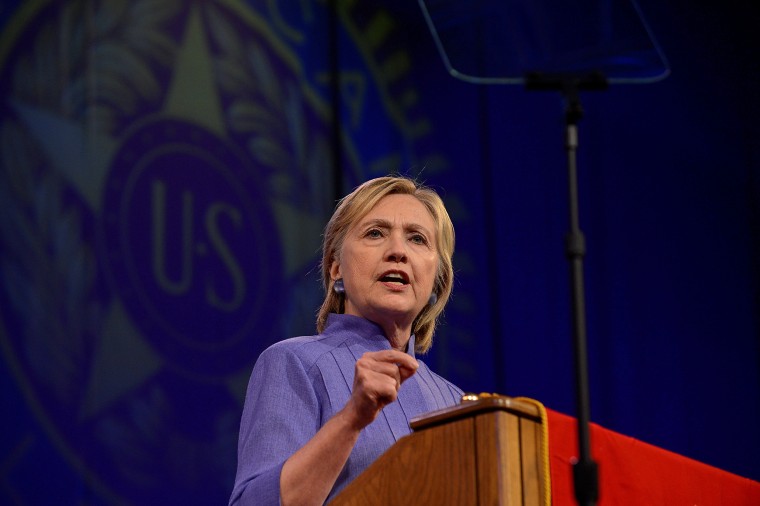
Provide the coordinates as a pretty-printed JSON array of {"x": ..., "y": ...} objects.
[{"x": 396, "y": 251}]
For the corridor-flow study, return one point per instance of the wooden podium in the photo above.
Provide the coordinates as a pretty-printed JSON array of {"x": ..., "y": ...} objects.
[{"x": 486, "y": 451}]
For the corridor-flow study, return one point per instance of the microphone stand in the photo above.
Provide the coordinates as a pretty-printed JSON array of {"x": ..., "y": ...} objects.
[{"x": 585, "y": 471}]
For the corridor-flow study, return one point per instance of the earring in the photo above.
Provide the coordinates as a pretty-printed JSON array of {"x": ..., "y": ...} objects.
[
  {"x": 338, "y": 286},
  {"x": 433, "y": 298}
]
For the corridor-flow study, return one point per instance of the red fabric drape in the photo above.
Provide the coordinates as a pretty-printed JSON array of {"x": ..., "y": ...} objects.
[{"x": 632, "y": 472}]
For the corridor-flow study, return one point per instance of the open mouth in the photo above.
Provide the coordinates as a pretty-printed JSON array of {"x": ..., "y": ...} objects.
[{"x": 395, "y": 277}]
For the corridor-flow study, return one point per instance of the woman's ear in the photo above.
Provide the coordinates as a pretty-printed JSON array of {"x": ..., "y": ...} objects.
[{"x": 335, "y": 270}]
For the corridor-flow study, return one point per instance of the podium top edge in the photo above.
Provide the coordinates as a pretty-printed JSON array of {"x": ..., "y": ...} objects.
[{"x": 473, "y": 408}]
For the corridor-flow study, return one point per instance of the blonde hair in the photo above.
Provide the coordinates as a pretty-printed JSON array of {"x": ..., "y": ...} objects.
[{"x": 352, "y": 208}]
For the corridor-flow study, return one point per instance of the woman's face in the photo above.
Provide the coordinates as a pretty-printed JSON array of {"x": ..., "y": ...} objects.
[{"x": 388, "y": 262}]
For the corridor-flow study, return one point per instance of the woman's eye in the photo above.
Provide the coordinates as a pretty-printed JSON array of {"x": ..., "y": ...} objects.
[
  {"x": 418, "y": 239},
  {"x": 374, "y": 233}
]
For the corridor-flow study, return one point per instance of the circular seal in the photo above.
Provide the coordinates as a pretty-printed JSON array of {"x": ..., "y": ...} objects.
[{"x": 190, "y": 246}]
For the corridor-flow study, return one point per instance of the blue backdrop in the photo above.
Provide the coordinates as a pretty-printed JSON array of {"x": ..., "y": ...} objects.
[{"x": 166, "y": 169}]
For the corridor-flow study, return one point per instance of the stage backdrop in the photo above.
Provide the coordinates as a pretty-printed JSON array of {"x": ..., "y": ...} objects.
[{"x": 167, "y": 167}]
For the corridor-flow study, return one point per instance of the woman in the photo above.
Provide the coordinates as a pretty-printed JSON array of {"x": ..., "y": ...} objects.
[{"x": 319, "y": 409}]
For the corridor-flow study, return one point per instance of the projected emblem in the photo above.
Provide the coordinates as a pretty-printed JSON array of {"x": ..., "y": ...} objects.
[
  {"x": 165, "y": 173},
  {"x": 196, "y": 269}
]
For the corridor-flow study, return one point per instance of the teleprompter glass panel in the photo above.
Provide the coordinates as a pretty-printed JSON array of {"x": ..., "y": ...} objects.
[{"x": 502, "y": 41}]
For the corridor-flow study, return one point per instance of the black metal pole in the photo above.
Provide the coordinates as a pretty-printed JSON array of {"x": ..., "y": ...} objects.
[
  {"x": 585, "y": 475},
  {"x": 585, "y": 471}
]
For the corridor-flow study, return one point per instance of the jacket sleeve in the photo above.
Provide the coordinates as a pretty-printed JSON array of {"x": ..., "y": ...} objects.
[{"x": 281, "y": 413}]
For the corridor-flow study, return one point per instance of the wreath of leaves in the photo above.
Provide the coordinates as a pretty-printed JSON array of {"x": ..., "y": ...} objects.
[
  {"x": 270, "y": 114},
  {"x": 46, "y": 269},
  {"x": 95, "y": 62}
]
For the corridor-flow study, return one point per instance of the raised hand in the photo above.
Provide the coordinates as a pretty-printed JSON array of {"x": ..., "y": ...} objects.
[{"x": 377, "y": 378}]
